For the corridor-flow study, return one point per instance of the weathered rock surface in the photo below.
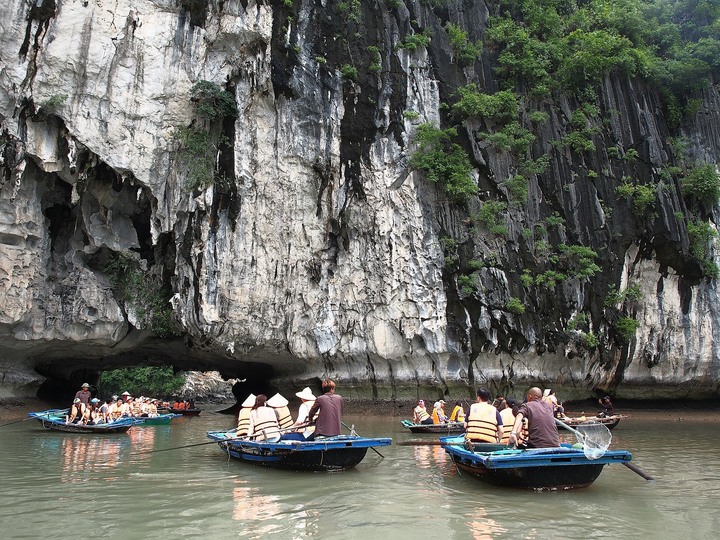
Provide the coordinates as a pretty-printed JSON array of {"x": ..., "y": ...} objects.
[{"x": 322, "y": 256}]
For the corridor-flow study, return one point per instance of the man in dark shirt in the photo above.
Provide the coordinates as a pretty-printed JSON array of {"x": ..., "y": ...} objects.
[
  {"x": 84, "y": 394},
  {"x": 329, "y": 409},
  {"x": 542, "y": 430}
]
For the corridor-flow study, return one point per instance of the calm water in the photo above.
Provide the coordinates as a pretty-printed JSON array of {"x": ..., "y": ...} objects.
[{"x": 68, "y": 486}]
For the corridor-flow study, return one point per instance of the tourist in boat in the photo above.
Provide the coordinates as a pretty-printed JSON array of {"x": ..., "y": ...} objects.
[
  {"x": 84, "y": 394},
  {"x": 505, "y": 409},
  {"x": 280, "y": 404},
  {"x": 484, "y": 423},
  {"x": 550, "y": 397},
  {"x": 307, "y": 400},
  {"x": 327, "y": 412},
  {"x": 243, "y": 423},
  {"x": 263, "y": 421},
  {"x": 438, "y": 414},
  {"x": 541, "y": 427},
  {"x": 77, "y": 411},
  {"x": 104, "y": 410},
  {"x": 607, "y": 407},
  {"x": 458, "y": 413},
  {"x": 420, "y": 414}
]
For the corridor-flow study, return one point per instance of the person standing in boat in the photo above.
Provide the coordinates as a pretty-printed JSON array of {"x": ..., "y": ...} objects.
[
  {"x": 484, "y": 423},
  {"x": 420, "y": 414},
  {"x": 327, "y": 412},
  {"x": 541, "y": 428},
  {"x": 84, "y": 394},
  {"x": 280, "y": 404},
  {"x": 458, "y": 413},
  {"x": 607, "y": 407},
  {"x": 243, "y": 423},
  {"x": 263, "y": 421}
]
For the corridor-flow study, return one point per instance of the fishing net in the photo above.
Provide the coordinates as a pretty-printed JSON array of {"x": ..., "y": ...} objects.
[{"x": 595, "y": 438}]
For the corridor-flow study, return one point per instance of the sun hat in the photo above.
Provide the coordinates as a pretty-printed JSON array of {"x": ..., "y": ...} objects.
[
  {"x": 126, "y": 394},
  {"x": 85, "y": 385},
  {"x": 94, "y": 400},
  {"x": 546, "y": 392},
  {"x": 306, "y": 394},
  {"x": 277, "y": 401},
  {"x": 249, "y": 401},
  {"x": 76, "y": 400}
]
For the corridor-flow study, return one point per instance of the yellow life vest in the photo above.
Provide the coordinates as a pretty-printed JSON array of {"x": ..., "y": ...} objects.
[
  {"x": 458, "y": 414},
  {"x": 508, "y": 419},
  {"x": 243, "y": 425},
  {"x": 285, "y": 419},
  {"x": 421, "y": 414},
  {"x": 482, "y": 423}
]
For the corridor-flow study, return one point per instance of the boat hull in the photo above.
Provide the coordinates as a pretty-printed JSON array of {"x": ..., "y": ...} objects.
[
  {"x": 609, "y": 422},
  {"x": 54, "y": 420},
  {"x": 160, "y": 420},
  {"x": 450, "y": 427},
  {"x": 331, "y": 454},
  {"x": 540, "y": 469}
]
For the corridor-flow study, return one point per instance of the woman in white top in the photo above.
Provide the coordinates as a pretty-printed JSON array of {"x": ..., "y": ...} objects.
[{"x": 263, "y": 422}]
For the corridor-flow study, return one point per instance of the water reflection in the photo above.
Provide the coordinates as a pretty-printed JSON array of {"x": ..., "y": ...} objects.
[
  {"x": 482, "y": 527},
  {"x": 430, "y": 457},
  {"x": 83, "y": 458}
]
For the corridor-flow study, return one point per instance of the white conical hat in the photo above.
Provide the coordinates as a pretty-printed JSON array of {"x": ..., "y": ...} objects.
[
  {"x": 306, "y": 394},
  {"x": 249, "y": 401},
  {"x": 277, "y": 401}
]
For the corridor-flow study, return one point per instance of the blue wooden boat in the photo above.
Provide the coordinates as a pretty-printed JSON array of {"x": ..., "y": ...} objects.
[
  {"x": 560, "y": 468},
  {"x": 448, "y": 427},
  {"x": 328, "y": 454},
  {"x": 54, "y": 420},
  {"x": 159, "y": 420}
]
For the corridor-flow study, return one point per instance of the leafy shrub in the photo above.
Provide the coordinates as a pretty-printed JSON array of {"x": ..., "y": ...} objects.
[
  {"x": 489, "y": 216},
  {"x": 580, "y": 260},
  {"x": 465, "y": 51},
  {"x": 703, "y": 183},
  {"x": 466, "y": 284},
  {"x": 515, "y": 305},
  {"x": 626, "y": 328},
  {"x": 212, "y": 102},
  {"x": 443, "y": 161},
  {"x": 513, "y": 138},
  {"x": 150, "y": 303},
  {"x": 501, "y": 106},
  {"x": 413, "y": 41},
  {"x": 642, "y": 196},
  {"x": 517, "y": 187},
  {"x": 590, "y": 340},
  {"x": 140, "y": 381},
  {"x": 349, "y": 72}
]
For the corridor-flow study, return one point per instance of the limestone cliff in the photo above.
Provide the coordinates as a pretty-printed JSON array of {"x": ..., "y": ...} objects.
[{"x": 315, "y": 249}]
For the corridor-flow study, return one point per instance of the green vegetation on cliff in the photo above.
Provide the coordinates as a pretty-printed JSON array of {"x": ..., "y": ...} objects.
[{"x": 140, "y": 381}]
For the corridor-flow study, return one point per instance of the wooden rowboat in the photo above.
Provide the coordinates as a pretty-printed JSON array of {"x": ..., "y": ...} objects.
[
  {"x": 539, "y": 469},
  {"x": 159, "y": 420},
  {"x": 608, "y": 421},
  {"x": 54, "y": 420},
  {"x": 449, "y": 427},
  {"x": 327, "y": 454}
]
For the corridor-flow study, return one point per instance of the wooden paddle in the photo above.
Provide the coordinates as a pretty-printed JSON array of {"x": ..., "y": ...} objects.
[
  {"x": 634, "y": 468},
  {"x": 352, "y": 430},
  {"x": 215, "y": 442},
  {"x": 417, "y": 442}
]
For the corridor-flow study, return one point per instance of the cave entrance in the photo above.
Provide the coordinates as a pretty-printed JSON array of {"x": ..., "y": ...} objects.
[{"x": 64, "y": 376}]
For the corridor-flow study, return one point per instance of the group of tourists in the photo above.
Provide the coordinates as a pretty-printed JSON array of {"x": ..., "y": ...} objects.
[
  {"x": 530, "y": 424},
  {"x": 504, "y": 421},
  {"x": 263, "y": 419},
  {"x": 438, "y": 416},
  {"x": 90, "y": 411}
]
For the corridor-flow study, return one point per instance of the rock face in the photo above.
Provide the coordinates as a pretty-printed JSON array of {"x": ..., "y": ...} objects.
[{"x": 321, "y": 253}]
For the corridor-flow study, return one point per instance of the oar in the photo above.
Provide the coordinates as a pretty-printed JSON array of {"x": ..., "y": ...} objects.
[
  {"x": 634, "y": 468},
  {"x": 416, "y": 442},
  {"x": 215, "y": 442},
  {"x": 352, "y": 430},
  {"x": 17, "y": 421},
  {"x": 177, "y": 447}
]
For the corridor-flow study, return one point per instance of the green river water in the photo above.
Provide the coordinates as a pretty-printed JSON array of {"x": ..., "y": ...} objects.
[{"x": 58, "y": 485}]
